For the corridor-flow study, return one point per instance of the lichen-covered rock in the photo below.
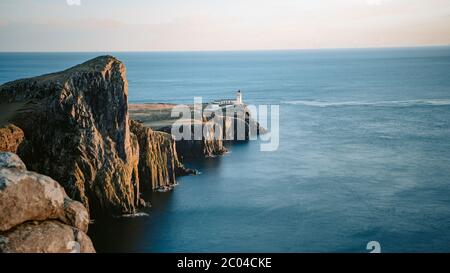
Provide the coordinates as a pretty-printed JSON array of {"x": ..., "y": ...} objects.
[
  {"x": 35, "y": 213},
  {"x": 26, "y": 196},
  {"x": 11, "y": 138},
  {"x": 75, "y": 214},
  {"x": 77, "y": 128},
  {"x": 11, "y": 160},
  {"x": 45, "y": 237},
  {"x": 158, "y": 163}
]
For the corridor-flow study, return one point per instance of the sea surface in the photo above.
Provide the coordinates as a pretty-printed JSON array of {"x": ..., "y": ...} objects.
[{"x": 364, "y": 151}]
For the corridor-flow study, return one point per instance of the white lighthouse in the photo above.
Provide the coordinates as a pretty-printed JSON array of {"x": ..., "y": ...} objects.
[{"x": 238, "y": 97}]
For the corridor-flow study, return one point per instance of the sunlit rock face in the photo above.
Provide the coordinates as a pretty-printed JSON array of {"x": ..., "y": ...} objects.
[
  {"x": 158, "y": 160},
  {"x": 12, "y": 138}
]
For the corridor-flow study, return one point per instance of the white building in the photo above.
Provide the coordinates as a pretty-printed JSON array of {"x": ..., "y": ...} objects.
[
  {"x": 229, "y": 102},
  {"x": 238, "y": 97}
]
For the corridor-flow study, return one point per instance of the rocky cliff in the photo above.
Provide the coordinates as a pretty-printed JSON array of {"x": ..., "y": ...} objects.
[
  {"x": 74, "y": 126},
  {"x": 158, "y": 159},
  {"x": 207, "y": 146},
  {"x": 77, "y": 125},
  {"x": 218, "y": 128},
  {"x": 36, "y": 215},
  {"x": 239, "y": 125}
]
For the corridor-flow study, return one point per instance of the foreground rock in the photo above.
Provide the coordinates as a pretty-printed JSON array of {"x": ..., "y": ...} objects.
[
  {"x": 36, "y": 215},
  {"x": 45, "y": 237},
  {"x": 11, "y": 138},
  {"x": 11, "y": 161}
]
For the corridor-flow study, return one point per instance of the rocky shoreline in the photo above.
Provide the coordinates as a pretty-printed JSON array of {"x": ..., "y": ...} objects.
[{"x": 74, "y": 127}]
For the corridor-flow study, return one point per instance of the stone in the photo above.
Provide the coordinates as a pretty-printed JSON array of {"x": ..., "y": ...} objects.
[
  {"x": 75, "y": 214},
  {"x": 29, "y": 196},
  {"x": 11, "y": 160},
  {"x": 35, "y": 213},
  {"x": 11, "y": 138},
  {"x": 45, "y": 237}
]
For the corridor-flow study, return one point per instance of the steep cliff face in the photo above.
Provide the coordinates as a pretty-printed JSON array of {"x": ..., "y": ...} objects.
[
  {"x": 36, "y": 215},
  {"x": 220, "y": 125},
  {"x": 158, "y": 162},
  {"x": 76, "y": 122},
  {"x": 239, "y": 125},
  {"x": 217, "y": 128},
  {"x": 207, "y": 146}
]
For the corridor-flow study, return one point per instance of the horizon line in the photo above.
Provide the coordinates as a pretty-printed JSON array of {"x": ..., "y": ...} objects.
[{"x": 229, "y": 50}]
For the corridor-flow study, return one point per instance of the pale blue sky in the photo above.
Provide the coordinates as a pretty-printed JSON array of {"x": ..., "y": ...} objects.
[{"x": 118, "y": 25}]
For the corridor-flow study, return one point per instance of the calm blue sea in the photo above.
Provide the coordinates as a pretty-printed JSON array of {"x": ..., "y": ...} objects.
[{"x": 364, "y": 151}]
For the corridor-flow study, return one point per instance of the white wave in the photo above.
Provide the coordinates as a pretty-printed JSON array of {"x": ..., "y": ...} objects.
[
  {"x": 138, "y": 214},
  {"x": 393, "y": 103}
]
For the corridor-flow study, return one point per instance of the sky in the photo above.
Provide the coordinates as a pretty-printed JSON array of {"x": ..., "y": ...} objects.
[{"x": 192, "y": 25}]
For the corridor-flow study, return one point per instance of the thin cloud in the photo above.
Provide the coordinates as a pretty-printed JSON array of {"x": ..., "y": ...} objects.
[{"x": 223, "y": 25}]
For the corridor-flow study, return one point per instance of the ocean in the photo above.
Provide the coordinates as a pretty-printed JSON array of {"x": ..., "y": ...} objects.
[{"x": 364, "y": 151}]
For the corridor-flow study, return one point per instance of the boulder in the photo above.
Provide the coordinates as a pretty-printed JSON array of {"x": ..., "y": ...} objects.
[
  {"x": 29, "y": 196},
  {"x": 12, "y": 161},
  {"x": 35, "y": 213},
  {"x": 45, "y": 237},
  {"x": 75, "y": 214},
  {"x": 11, "y": 138}
]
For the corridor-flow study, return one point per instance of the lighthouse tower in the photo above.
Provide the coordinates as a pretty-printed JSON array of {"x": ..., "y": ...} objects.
[{"x": 238, "y": 97}]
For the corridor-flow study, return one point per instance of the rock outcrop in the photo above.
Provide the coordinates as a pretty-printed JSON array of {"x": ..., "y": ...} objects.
[
  {"x": 158, "y": 162},
  {"x": 77, "y": 128},
  {"x": 11, "y": 138},
  {"x": 11, "y": 161},
  {"x": 208, "y": 146},
  {"x": 36, "y": 215},
  {"x": 239, "y": 125},
  {"x": 217, "y": 127}
]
